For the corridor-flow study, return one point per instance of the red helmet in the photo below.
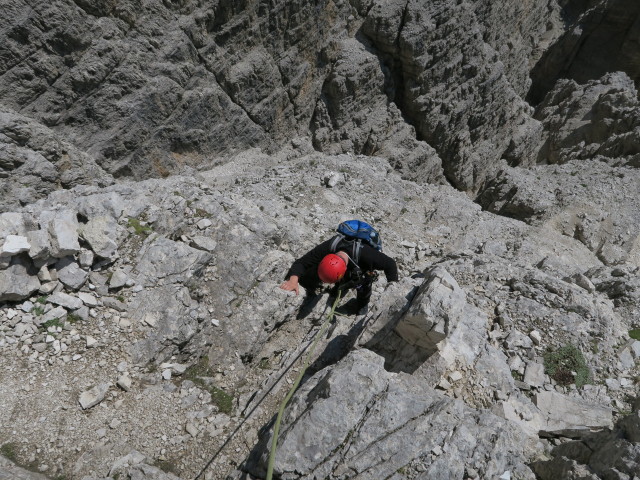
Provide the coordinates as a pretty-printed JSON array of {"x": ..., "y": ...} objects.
[{"x": 332, "y": 268}]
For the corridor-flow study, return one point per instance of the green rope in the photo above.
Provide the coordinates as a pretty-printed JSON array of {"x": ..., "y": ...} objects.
[{"x": 276, "y": 428}]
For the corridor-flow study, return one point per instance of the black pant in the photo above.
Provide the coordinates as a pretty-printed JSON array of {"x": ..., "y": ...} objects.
[{"x": 363, "y": 286}]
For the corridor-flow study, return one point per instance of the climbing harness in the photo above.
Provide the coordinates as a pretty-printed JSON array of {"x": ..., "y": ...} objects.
[
  {"x": 276, "y": 427},
  {"x": 313, "y": 343}
]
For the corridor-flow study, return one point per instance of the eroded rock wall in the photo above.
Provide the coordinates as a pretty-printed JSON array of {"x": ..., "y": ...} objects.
[{"x": 146, "y": 89}]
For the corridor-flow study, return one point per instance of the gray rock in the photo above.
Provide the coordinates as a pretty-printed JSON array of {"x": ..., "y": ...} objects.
[
  {"x": 114, "y": 303},
  {"x": 344, "y": 424},
  {"x": 88, "y": 299},
  {"x": 83, "y": 313},
  {"x": 27, "y": 306},
  {"x": 63, "y": 232},
  {"x": 12, "y": 223},
  {"x": 534, "y": 375},
  {"x": 118, "y": 279},
  {"x": 85, "y": 258},
  {"x": 595, "y": 455},
  {"x": 204, "y": 223},
  {"x": 40, "y": 244},
  {"x": 204, "y": 243},
  {"x": 19, "y": 280},
  {"x": 438, "y": 303},
  {"x": 608, "y": 101},
  {"x": 561, "y": 411},
  {"x": 626, "y": 359},
  {"x": 11, "y": 471},
  {"x": 582, "y": 281},
  {"x": 49, "y": 287},
  {"x": 56, "y": 313},
  {"x": 44, "y": 275},
  {"x": 101, "y": 234},
  {"x": 332, "y": 179},
  {"x": 70, "y": 273},
  {"x": 93, "y": 396},
  {"x": 125, "y": 382},
  {"x": 13, "y": 245},
  {"x": 164, "y": 259},
  {"x": 65, "y": 300},
  {"x": 165, "y": 310}
]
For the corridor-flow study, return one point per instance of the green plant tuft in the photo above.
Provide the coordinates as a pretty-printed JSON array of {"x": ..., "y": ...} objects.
[
  {"x": 8, "y": 450},
  {"x": 635, "y": 333},
  {"x": 138, "y": 228},
  {"x": 221, "y": 399},
  {"x": 166, "y": 465},
  {"x": 202, "y": 213},
  {"x": 41, "y": 300},
  {"x": 38, "y": 310},
  {"x": 197, "y": 374},
  {"x": 560, "y": 364},
  {"x": 54, "y": 322}
]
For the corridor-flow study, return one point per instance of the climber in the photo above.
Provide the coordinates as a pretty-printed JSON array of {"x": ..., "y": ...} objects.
[{"x": 344, "y": 262}]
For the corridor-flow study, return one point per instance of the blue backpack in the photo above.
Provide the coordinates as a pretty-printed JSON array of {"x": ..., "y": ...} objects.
[{"x": 353, "y": 233}]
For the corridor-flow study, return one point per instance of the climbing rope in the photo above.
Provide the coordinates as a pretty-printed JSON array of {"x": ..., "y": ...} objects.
[
  {"x": 264, "y": 396},
  {"x": 276, "y": 427}
]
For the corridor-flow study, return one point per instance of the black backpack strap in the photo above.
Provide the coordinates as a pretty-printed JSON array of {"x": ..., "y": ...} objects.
[
  {"x": 336, "y": 241},
  {"x": 357, "y": 245}
]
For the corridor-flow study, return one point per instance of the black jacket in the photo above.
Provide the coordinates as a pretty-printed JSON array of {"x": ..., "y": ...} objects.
[{"x": 370, "y": 259}]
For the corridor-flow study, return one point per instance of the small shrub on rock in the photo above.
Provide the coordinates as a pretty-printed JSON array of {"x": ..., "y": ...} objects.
[{"x": 567, "y": 365}]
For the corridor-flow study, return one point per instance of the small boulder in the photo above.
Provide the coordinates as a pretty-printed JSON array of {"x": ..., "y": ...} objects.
[
  {"x": 19, "y": 280},
  {"x": 70, "y": 273},
  {"x": 65, "y": 300},
  {"x": 94, "y": 396},
  {"x": 13, "y": 245},
  {"x": 63, "y": 230}
]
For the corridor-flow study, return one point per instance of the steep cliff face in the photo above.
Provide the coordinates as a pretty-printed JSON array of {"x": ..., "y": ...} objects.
[
  {"x": 599, "y": 37},
  {"x": 163, "y": 163},
  {"x": 146, "y": 88}
]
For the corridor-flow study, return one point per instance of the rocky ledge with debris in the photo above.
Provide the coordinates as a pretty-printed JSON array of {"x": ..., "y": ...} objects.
[
  {"x": 142, "y": 326},
  {"x": 142, "y": 331}
]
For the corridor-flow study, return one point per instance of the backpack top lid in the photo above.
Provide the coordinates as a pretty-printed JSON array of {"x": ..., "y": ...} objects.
[{"x": 361, "y": 230}]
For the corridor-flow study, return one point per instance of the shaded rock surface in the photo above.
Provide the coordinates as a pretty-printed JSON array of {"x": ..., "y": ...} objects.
[
  {"x": 146, "y": 90},
  {"x": 607, "y": 454},
  {"x": 163, "y": 163},
  {"x": 455, "y": 334}
]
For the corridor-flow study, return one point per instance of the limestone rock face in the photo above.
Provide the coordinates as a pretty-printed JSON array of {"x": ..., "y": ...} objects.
[
  {"x": 404, "y": 80},
  {"x": 427, "y": 321},
  {"x": 441, "y": 66},
  {"x": 187, "y": 320},
  {"x": 35, "y": 160},
  {"x": 382, "y": 422},
  {"x": 561, "y": 413},
  {"x": 598, "y": 119},
  {"x": 598, "y": 38},
  {"x": 162, "y": 164}
]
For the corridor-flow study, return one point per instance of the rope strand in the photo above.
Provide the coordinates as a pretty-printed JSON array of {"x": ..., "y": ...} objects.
[{"x": 276, "y": 428}]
